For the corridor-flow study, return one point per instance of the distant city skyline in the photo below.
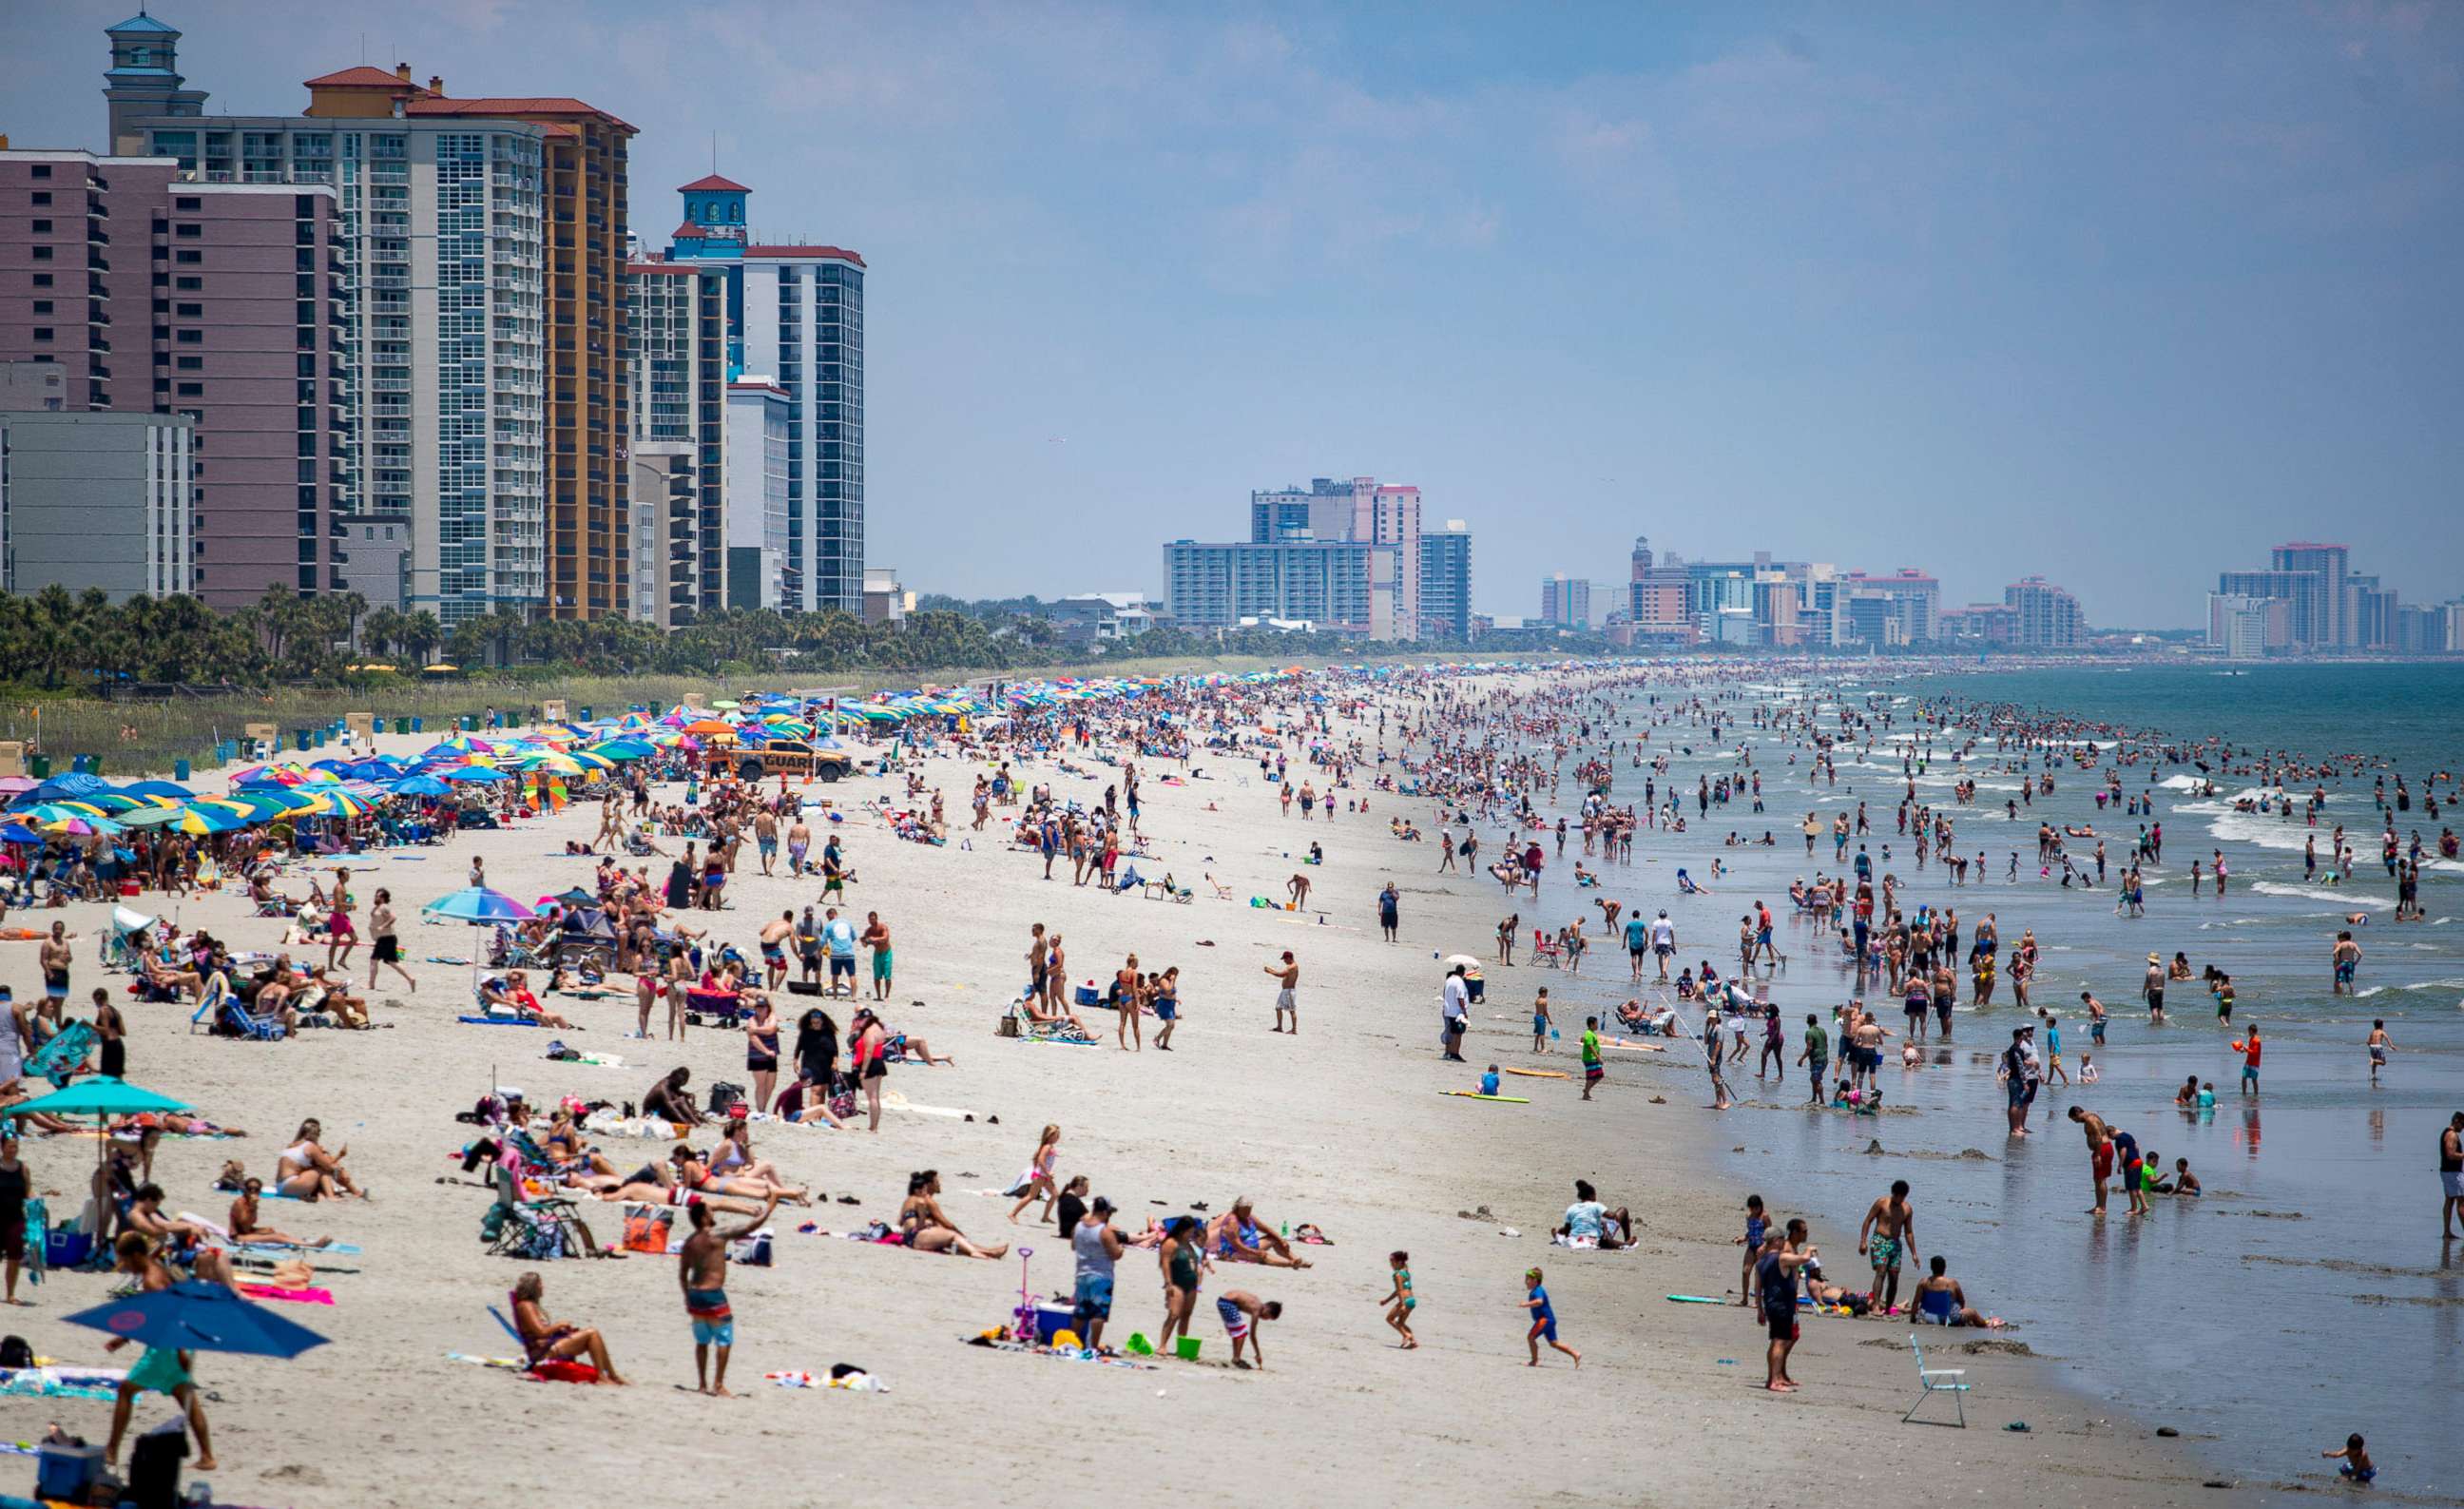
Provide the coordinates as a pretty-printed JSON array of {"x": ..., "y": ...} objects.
[{"x": 2118, "y": 294}]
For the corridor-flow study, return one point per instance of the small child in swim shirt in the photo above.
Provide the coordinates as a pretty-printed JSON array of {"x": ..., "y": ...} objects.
[
  {"x": 2087, "y": 1070},
  {"x": 1399, "y": 1301},
  {"x": 2208, "y": 1095},
  {"x": 1544, "y": 1321},
  {"x": 1489, "y": 1081},
  {"x": 2356, "y": 1460}
]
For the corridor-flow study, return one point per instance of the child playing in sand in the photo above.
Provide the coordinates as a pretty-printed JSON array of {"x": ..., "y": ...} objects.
[
  {"x": 1489, "y": 1081},
  {"x": 2356, "y": 1460},
  {"x": 1544, "y": 1321},
  {"x": 1399, "y": 1301}
]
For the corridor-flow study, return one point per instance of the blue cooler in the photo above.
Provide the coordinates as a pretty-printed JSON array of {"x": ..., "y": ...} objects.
[
  {"x": 1051, "y": 1320},
  {"x": 64, "y": 1249},
  {"x": 66, "y": 1473}
]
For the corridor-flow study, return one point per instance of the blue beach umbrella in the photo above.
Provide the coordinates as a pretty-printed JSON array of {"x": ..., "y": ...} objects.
[
  {"x": 419, "y": 786},
  {"x": 197, "y": 1317}
]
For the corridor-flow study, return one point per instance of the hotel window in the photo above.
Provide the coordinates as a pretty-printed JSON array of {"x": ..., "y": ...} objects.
[
  {"x": 42, "y": 307},
  {"x": 193, "y": 338},
  {"x": 42, "y": 332},
  {"x": 42, "y": 227}
]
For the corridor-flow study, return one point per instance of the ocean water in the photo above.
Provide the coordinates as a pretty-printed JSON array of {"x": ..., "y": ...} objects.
[{"x": 2308, "y": 1294}]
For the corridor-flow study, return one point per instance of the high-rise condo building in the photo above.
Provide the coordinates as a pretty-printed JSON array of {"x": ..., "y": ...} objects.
[
  {"x": 223, "y": 302},
  {"x": 2330, "y": 611},
  {"x": 1446, "y": 581},
  {"x": 1566, "y": 601},
  {"x": 2048, "y": 617},
  {"x": 677, "y": 314},
  {"x": 795, "y": 321}
]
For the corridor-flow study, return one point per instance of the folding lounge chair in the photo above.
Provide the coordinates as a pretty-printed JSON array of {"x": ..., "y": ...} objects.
[
  {"x": 208, "y": 1007},
  {"x": 549, "y": 1227},
  {"x": 1934, "y": 1381}
]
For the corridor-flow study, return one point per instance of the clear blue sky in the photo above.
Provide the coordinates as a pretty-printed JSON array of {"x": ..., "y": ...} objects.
[{"x": 2122, "y": 294}]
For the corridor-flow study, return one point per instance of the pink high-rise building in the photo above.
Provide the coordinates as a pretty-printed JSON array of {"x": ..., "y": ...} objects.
[{"x": 220, "y": 302}]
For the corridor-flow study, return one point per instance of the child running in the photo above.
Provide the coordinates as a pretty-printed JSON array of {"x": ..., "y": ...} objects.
[{"x": 1544, "y": 1321}]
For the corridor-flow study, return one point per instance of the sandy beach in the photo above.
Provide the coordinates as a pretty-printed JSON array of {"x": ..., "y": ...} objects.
[{"x": 1343, "y": 1127}]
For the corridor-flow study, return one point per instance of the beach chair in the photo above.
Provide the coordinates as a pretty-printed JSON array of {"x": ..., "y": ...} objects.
[
  {"x": 1932, "y": 1381},
  {"x": 245, "y": 1024},
  {"x": 535, "y": 1229},
  {"x": 1544, "y": 949},
  {"x": 211, "y": 1004}
]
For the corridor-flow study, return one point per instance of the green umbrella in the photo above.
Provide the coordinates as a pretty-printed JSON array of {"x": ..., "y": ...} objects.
[
  {"x": 102, "y": 1097},
  {"x": 99, "y": 1095}
]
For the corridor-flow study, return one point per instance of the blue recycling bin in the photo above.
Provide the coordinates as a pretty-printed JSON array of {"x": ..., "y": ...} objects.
[
  {"x": 179, "y": 771},
  {"x": 419, "y": 725}
]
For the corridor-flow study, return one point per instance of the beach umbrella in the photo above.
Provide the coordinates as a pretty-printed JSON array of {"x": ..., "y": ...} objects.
[
  {"x": 621, "y": 749},
  {"x": 707, "y": 726},
  {"x": 159, "y": 789},
  {"x": 343, "y": 804},
  {"x": 419, "y": 786},
  {"x": 197, "y": 1317},
  {"x": 574, "y": 897},
  {"x": 468, "y": 772},
  {"x": 99, "y": 1095},
  {"x": 476, "y": 904},
  {"x": 199, "y": 822},
  {"x": 19, "y": 833}
]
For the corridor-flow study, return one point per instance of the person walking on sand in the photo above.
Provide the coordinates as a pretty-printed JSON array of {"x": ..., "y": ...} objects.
[
  {"x": 701, "y": 1272},
  {"x": 1401, "y": 1301},
  {"x": 1593, "y": 1065},
  {"x": 1287, "y": 982},
  {"x": 1454, "y": 1013},
  {"x": 165, "y": 1370},
  {"x": 1543, "y": 1320},
  {"x": 1390, "y": 911},
  {"x": 385, "y": 949},
  {"x": 2250, "y": 1049},
  {"x": 1888, "y": 1237},
  {"x": 1541, "y": 1021}
]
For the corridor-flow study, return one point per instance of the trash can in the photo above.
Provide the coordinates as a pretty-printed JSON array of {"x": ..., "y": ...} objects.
[
  {"x": 402, "y": 726},
  {"x": 469, "y": 723},
  {"x": 586, "y": 715},
  {"x": 300, "y": 736},
  {"x": 39, "y": 767},
  {"x": 226, "y": 750},
  {"x": 82, "y": 764},
  {"x": 179, "y": 770}
]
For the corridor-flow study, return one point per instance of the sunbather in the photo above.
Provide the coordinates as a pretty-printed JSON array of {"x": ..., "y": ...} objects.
[
  {"x": 695, "y": 1173},
  {"x": 1239, "y": 1236},
  {"x": 306, "y": 1171},
  {"x": 513, "y": 994},
  {"x": 245, "y": 1228},
  {"x": 927, "y": 1228},
  {"x": 544, "y": 1339}
]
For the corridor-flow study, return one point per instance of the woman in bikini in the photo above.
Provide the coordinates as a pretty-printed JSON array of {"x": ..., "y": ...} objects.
[
  {"x": 245, "y": 1228},
  {"x": 733, "y": 1157},
  {"x": 306, "y": 1171},
  {"x": 716, "y": 1176},
  {"x": 927, "y": 1229},
  {"x": 546, "y": 1341}
]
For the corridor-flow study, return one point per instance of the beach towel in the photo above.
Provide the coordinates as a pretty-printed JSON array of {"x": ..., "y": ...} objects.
[
  {"x": 67, "y": 1048},
  {"x": 288, "y": 1295}
]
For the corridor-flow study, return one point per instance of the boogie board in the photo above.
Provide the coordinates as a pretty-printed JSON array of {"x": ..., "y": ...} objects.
[{"x": 1474, "y": 1094}]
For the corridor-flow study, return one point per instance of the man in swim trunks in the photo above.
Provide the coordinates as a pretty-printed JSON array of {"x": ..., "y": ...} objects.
[
  {"x": 2100, "y": 1147},
  {"x": 765, "y": 838},
  {"x": 1243, "y": 1313},
  {"x": 56, "y": 957},
  {"x": 701, "y": 1272},
  {"x": 1888, "y": 1235},
  {"x": 1288, "y": 981},
  {"x": 2348, "y": 959},
  {"x": 774, "y": 948},
  {"x": 799, "y": 839}
]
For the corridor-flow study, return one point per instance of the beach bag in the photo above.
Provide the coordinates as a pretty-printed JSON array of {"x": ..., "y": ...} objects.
[
  {"x": 646, "y": 1229},
  {"x": 842, "y": 1097},
  {"x": 724, "y": 1096},
  {"x": 15, "y": 1353}
]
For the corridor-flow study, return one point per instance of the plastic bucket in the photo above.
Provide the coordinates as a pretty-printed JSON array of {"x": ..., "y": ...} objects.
[{"x": 1186, "y": 1348}]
